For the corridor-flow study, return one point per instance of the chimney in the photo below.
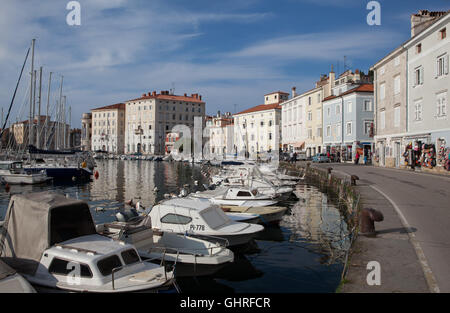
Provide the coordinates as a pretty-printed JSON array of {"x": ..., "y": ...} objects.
[
  {"x": 185, "y": 94},
  {"x": 294, "y": 93},
  {"x": 143, "y": 95},
  {"x": 154, "y": 93},
  {"x": 422, "y": 20},
  {"x": 200, "y": 97}
]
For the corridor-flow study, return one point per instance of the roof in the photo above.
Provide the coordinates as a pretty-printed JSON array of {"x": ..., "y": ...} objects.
[
  {"x": 117, "y": 106},
  {"x": 282, "y": 92},
  {"x": 101, "y": 245},
  {"x": 194, "y": 98},
  {"x": 262, "y": 107},
  {"x": 360, "y": 88}
]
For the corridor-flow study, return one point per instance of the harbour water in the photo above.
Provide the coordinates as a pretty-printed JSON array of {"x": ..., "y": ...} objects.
[{"x": 304, "y": 254}]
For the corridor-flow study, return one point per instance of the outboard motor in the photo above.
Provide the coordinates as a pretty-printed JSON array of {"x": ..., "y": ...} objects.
[
  {"x": 183, "y": 193},
  {"x": 126, "y": 216}
]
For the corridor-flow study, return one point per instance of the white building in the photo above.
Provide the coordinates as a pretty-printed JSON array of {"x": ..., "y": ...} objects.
[
  {"x": 108, "y": 125},
  {"x": 293, "y": 129},
  {"x": 220, "y": 130},
  {"x": 151, "y": 117},
  {"x": 257, "y": 130},
  {"x": 428, "y": 85}
]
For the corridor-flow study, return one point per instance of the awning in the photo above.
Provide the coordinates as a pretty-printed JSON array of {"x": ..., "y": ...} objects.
[{"x": 298, "y": 144}]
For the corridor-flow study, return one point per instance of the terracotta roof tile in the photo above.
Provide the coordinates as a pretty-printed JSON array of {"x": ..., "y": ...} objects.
[
  {"x": 196, "y": 98},
  {"x": 119, "y": 106},
  {"x": 360, "y": 88},
  {"x": 262, "y": 107}
]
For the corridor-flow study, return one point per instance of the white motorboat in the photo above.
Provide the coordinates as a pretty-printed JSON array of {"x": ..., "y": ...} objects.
[
  {"x": 238, "y": 196},
  {"x": 12, "y": 282},
  {"x": 201, "y": 218},
  {"x": 52, "y": 241},
  {"x": 13, "y": 173},
  {"x": 191, "y": 255}
]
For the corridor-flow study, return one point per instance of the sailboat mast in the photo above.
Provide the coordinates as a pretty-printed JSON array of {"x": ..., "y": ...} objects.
[
  {"x": 59, "y": 115},
  {"x": 30, "y": 130},
  {"x": 64, "y": 123},
  {"x": 46, "y": 114},
  {"x": 38, "y": 131}
]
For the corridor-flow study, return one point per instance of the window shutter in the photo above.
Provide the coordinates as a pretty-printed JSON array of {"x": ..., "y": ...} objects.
[
  {"x": 421, "y": 75},
  {"x": 413, "y": 78},
  {"x": 436, "y": 69},
  {"x": 446, "y": 64}
]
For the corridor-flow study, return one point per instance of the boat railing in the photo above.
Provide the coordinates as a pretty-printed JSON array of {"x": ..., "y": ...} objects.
[{"x": 162, "y": 264}]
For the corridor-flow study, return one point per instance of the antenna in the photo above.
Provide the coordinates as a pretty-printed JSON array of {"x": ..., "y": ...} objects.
[{"x": 172, "y": 90}]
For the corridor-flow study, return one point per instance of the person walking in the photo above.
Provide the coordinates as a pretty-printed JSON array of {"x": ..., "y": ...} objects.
[{"x": 356, "y": 158}]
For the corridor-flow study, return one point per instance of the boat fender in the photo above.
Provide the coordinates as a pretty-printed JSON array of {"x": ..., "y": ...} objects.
[{"x": 96, "y": 175}]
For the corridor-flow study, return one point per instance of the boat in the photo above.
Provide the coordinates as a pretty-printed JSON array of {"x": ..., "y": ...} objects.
[
  {"x": 13, "y": 172},
  {"x": 13, "y": 282},
  {"x": 264, "y": 215},
  {"x": 193, "y": 256},
  {"x": 202, "y": 219},
  {"x": 51, "y": 240},
  {"x": 237, "y": 196}
]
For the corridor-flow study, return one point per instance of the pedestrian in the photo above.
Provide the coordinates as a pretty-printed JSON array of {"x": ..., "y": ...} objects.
[
  {"x": 291, "y": 157},
  {"x": 356, "y": 158},
  {"x": 338, "y": 156},
  {"x": 295, "y": 157},
  {"x": 365, "y": 159}
]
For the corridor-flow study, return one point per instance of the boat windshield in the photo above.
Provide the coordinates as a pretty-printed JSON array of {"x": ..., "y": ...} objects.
[
  {"x": 215, "y": 218},
  {"x": 107, "y": 264},
  {"x": 130, "y": 256},
  {"x": 17, "y": 165}
]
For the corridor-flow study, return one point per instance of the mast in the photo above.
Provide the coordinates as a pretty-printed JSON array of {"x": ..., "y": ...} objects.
[
  {"x": 34, "y": 108},
  {"x": 70, "y": 122},
  {"x": 59, "y": 115},
  {"x": 30, "y": 131},
  {"x": 64, "y": 124},
  {"x": 38, "y": 131},
  {"x": 48, "y": 104}
]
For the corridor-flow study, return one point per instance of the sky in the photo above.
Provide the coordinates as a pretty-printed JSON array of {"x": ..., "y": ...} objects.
[{"x": 231, "y": 52}]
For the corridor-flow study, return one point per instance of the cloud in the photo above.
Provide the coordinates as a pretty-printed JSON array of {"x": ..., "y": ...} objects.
[{"x": 321, "y": 46}]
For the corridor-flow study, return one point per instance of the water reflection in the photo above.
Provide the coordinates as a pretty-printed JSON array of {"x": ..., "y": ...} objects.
[{"x": 303, "y": 254}]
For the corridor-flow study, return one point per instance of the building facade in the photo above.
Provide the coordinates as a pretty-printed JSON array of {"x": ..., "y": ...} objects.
[
  {"x": 220, "y": 130},
  {"x": 151, "y": 117},
  {"x": 86, "y": 132},
  {"x": 108, "y": 128},
  {"x": 257, "y": 130},
  {"x": 348, "y": 121}
]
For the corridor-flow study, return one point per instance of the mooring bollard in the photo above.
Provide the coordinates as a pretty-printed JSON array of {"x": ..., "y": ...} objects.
[
  {"x": 354, "y": 178},
  {"x": 367, "y": 219}
]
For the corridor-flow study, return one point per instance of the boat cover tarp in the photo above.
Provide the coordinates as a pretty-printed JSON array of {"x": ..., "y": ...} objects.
[
  {"x": 36, "y": 221},
  {"x": 5, "y": 270}
]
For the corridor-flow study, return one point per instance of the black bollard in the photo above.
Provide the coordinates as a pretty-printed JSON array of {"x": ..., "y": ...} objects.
[
  {"x": 367, "y": 219},
  {"x": 354, "y": 178}
]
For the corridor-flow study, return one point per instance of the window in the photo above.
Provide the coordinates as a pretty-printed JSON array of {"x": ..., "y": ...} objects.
[
  {"x": 244, "y": 194},
  {"x": 107, "y": 264},
  {"x": 176, "y": 219},
  {"x": 397, "y": 85},
  {"x": 382, "y": 119},
  {"x": 367, "y": 105},
  {"x": 349, "y": 107},
  {"x": 442, "y": 65},
  {"x": 328, "y": 111},
  {"x": 309, "y": 116},
  {"x": 309, "y": 100},
  {"x": 397, "y": 116},
  {"x": 382, "y": 91},
  {"x": 441, "y": 104},
  {"x": 63, "y": 267},
  {"x": 270, "y": 136},
  {"x": 418, "y": 76},
  {"x": 319, "y": 132},
  {"x": 328, "y": 131},
  {"x": 309, "y": 133},
  {"x": 338, "y": 129},
  {"x": 338, "y": 109},
  {"x": 418, "y": 110},
  {"x": 419, "y": 48},
  {"x": 367, "y": 127},
  {"x": 443, "y": 33},
  {"x": 130, "y": 256},
  {"x": 349, "y": 128}
]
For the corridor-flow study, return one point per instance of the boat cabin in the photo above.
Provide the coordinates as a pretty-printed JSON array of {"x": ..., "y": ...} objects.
[
  {"x": 14, "y": 167},
  {"x": 241, "y": 194}
]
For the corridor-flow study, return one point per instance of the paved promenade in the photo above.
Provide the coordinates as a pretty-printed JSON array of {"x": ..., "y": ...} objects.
[{"x": 413, "y": 242}]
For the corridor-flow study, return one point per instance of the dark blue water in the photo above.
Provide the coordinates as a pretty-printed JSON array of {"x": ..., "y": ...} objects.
[{"x": 304, "y": 254}]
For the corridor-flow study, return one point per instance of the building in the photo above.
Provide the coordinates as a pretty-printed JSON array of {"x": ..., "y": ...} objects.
[
  {"x": 348, "y": 118},
  {"x": 302, "y": 117},
  {"x": 86, "y": 132},
  {"x": 428, "y": 87},
  {"x": 48, "y": 136},
  {"x": 411, "y": 93},
  {"x": 108, "y": 128},
  {"x": 150, "y": 118},
  {"x": 75, "y": 139},
  {"x": 221, "y": 135},
  {"x": 257, "y": 130}
]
